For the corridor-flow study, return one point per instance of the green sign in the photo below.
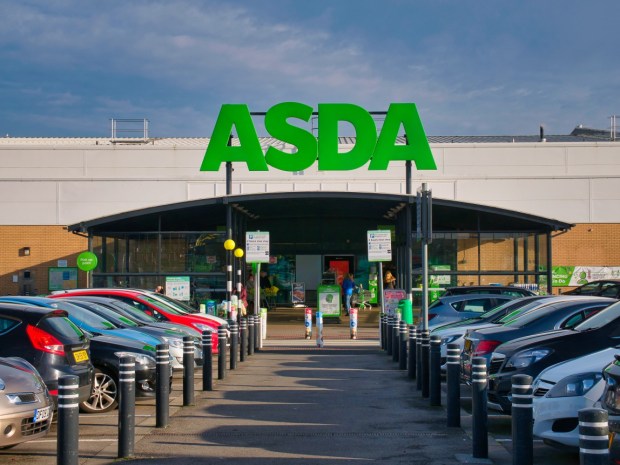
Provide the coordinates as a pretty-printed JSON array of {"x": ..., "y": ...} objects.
[
  {"x": 87, "y": 261},
  {"x": 328, "y": 300},
  {"x": 368, "y": 147}
]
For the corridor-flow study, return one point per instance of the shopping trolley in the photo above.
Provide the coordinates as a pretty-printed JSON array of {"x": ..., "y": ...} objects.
[{"x": 361, "y": 298}]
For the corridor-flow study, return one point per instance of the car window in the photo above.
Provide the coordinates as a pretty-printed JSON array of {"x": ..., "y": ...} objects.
[
  {"x": 132, "y": 311},
  {"x": 84, "y": 316},
  {"x": 603, "y": 317},
  {"x": 581, "y": 316},
  {"x": 474, "y": 305},
  {"x": 62, "y": 325},
  {"x": 514, "y": 293},
  {"x": 610, "y": 290},
  {"x": 528, "y": 317},
  {"x": 590, "y": 288},
  {"x": 6, "y": 324}
]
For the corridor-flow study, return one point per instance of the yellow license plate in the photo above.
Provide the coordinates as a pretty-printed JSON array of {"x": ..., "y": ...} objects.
[
  {"x": 80, "y": 356},
  {"x": 467, "y": 344}
]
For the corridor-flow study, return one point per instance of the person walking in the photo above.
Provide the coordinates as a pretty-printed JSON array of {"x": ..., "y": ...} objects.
[
  {"x": 389, "y": 281},
  {"x": 348, "y": 284}
]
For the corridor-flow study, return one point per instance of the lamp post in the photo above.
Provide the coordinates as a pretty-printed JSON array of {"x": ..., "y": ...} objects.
[
  {"x": 239, "y": 254},
  {"x": 229, "y": 245}
]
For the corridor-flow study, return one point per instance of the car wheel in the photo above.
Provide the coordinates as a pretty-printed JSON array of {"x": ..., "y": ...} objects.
[{"x": 104, "y": 396}]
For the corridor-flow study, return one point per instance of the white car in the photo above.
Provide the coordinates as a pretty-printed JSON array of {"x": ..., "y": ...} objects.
[{"x": 561, "y": 390}]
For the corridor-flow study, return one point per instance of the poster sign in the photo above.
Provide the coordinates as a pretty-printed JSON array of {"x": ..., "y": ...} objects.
[
  {"x": 62, "y": 278},
  {"x": 298, "y": 293},
  {"x": 579, "y": 275},
  {"x": 391, "y": 297},
  {"x": 257, "y": 246},
  {"x": 178, "y": 287},
  {"x": 329, "y": 300},
  {"x": 379, "y": 246},
  {"x": 86, "y": 261}
]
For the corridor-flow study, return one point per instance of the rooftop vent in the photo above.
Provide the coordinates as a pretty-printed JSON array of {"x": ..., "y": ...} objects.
[{"x": 128, "y": 131}]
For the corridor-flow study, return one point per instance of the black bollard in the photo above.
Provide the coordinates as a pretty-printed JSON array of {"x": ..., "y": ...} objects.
[
  {"x": 522, "y": 420},
  {"x": 188, "y": 371},
  {"x": 453, "y": 385},
  {"x": 480, "y": 434},
  {"x": 418, "y": 360},
  {"x": 593, "y": 437},
  {"x": 402, "y": 338},
  {"x": 413, "y": 332},
  {"x": 68, "y": 421},
  {"x": 207, "y": 356},
  {"x": 234, "y": 345},
  {"x": 258, "y": 337},
  {"x": 395, "y": 340},
  {"x": 383, "y": 331},
  {"x": 221, "y": 352},
  {"x": 250, "y": 334},
  {"x": 162, "y": 388},
  {"x": 425, "y": 356},
  {"x": 127, "y": 407},
  {"x": 435, "y": 371},
  {"x": 388, "y": 330},
  {"x": 243, "y": 337}
]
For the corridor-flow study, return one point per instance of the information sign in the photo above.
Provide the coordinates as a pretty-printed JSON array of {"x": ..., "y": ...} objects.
[
  {"x": 379, "y": 246},
  {"x": 257, "y": 246},
  {"x": 178, "y": 287}
]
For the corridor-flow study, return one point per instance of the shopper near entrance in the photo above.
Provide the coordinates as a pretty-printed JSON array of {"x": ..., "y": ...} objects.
[
  {"x": 389, "y": 281},
  {"x": 159, "y": 289},
  {"x": 348, "y": 284},
  {"x": 264, "y": 283}
]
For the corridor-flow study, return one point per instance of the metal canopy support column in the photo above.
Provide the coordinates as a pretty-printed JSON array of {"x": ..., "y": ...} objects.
[
  {"x": 549, "y": 265},
  {"x": 408, "y": 231}
]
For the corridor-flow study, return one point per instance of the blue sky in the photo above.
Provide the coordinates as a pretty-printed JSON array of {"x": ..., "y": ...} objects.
[{"x": 484, "y": 67}]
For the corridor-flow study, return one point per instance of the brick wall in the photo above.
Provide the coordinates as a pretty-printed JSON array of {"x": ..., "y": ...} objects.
[{"x": 47, "y": 244}]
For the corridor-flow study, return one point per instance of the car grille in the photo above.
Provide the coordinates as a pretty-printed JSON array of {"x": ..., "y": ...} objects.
[
  {"x": 539, "y": 392},
  {"x": 19, "y": 398},
  {"x": 495, "y": 365},
  {"x": 30, "y": 427}
]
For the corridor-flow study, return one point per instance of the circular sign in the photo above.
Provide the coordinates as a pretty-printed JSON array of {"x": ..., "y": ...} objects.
[{"x": 87, "y": 261}]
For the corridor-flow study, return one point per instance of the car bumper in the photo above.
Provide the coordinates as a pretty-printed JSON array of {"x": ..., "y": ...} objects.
[{"x": 18, "y": 427}]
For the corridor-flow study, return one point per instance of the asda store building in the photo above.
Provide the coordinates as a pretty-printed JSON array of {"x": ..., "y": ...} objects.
[{"x": 505, "y": 209}]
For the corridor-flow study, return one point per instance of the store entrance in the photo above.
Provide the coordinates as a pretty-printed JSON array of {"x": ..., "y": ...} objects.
[{"x": 339, "y": 265}]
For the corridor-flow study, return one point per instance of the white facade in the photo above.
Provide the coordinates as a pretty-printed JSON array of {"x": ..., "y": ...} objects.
[{"x": 65, "y": 181}]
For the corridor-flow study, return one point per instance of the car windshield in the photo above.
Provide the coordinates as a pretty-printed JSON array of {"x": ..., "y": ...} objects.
[
  {"x": 526, "y": 318},
  {"x": 176, "y": 303},
  {"x": 110, "y": 315},
  {"x": 162, "y": 305},
  {"x": 533, "y": 305},
  {"x": 505, "y": 307},
  {"x": 603, "y": 317},
  {"x": 132, "y": 312},
  {"x": 84, "y": 316}
]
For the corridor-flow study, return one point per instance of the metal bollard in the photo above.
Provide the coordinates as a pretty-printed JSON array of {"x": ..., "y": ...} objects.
[
  {"x": 258, "y": 329},
  {"x": 479, "y": 383},
  {"x": 418, "y": 360},
  {"x": 593, "y": 437},
  {"x": 388, "y": 334},
  {"x": 127, "y": 407},
  {"x": 383, "y": 331},
  {"x": 435, "y": 371},
  {"x": 221, "y": 353},
  {"x": 413, "y": 335},
  {"x": 395, "y": 340},
  {"x": 402, "y": 338},
  {"x": 453, "y": 385},
  {"x": 522, "y": 420},
  {"x": 425, "y": 357},
  {"x": 308, "y": 323},
  {"x": 162, "y": 388},
  {"x": 207, "y": 358},
  {"x": 68, "y": 421},
  {"x": 188, "y": 371},
  {"x": 250, "y": 334},
  {"x": 243, "y": 337},
  {"x": 234, "y": 345}
]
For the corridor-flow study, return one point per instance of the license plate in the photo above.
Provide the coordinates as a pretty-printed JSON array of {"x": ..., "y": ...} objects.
[
  {"x": 41, "y": 414},
  {"x": 467, "y": 344},
  {"x": 80, "y": 356}
]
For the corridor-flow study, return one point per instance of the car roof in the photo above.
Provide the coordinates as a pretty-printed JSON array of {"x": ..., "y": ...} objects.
[
  {"x": 460, "y": 297},
  {"x": 30, "y": 312}
]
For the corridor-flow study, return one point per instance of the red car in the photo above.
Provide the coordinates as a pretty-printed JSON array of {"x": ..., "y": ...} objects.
[{"x": 157, "y": 307}]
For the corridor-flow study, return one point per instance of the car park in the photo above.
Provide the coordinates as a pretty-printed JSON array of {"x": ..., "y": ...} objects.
[
  {"x": 48, "y": 340},
  {"x": 148, "y": 304},
  {"x": 603, "y": 287},
  {"x": 553, "y": 316},
  {"x": 563, "y": 389},
  {"x": 172, "y": 337},
  {"x": 107, "y": 345},
  {"x": 453, "y": 333},
  {"x": 504, "y": 290},
  {"x": 25, "y": 403},
  {"x": 461, "y": 307},
  {"x": 530, "y": 355}
]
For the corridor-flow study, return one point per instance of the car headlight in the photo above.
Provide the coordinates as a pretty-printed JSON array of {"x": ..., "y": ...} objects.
[
  {"x": 449, "y": 339},
  {"x": 526, "y": 358},
  {"x": 202, "y": 327},
  {"x": 2, "y": 385},
  {"x": 141, "y": 359},
  {"x": 174, "y": 342},
  {"x": 611, "y": 399},
  {"x": 575, "y": 385}
]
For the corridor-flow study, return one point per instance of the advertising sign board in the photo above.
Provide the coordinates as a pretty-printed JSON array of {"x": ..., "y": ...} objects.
[{"x": 257, "y": 246}]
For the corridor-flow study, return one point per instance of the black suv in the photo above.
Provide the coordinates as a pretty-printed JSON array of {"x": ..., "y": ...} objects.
[{"x": 50, "y": 342}]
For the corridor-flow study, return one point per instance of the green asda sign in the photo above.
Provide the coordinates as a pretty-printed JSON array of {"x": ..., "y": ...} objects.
[{"x": 379, "y": 150}]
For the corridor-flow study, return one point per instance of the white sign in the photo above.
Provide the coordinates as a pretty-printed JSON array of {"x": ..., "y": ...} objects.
[
  {"x": 178, "y": 287},
  {"x": 257, "y": 246},
  {"x": 379, "y": 246}
]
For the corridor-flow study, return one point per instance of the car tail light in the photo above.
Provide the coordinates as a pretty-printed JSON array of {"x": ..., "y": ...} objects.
[
  {"x": 53, "y": 392},
  {"x": 44, "y": 341},
  {"x": 486, "y": 347}
]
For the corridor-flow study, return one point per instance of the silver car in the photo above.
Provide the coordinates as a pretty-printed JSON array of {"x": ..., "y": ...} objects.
[{"x": 25, "y": 403}]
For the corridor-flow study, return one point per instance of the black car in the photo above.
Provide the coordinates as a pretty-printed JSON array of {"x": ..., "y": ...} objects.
[
  {"x": 603, "y": 287},
  {"x": 50, "y": 342},
  {"x": 504, "y": 290},
  {"x": 531, "y": 354}
]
